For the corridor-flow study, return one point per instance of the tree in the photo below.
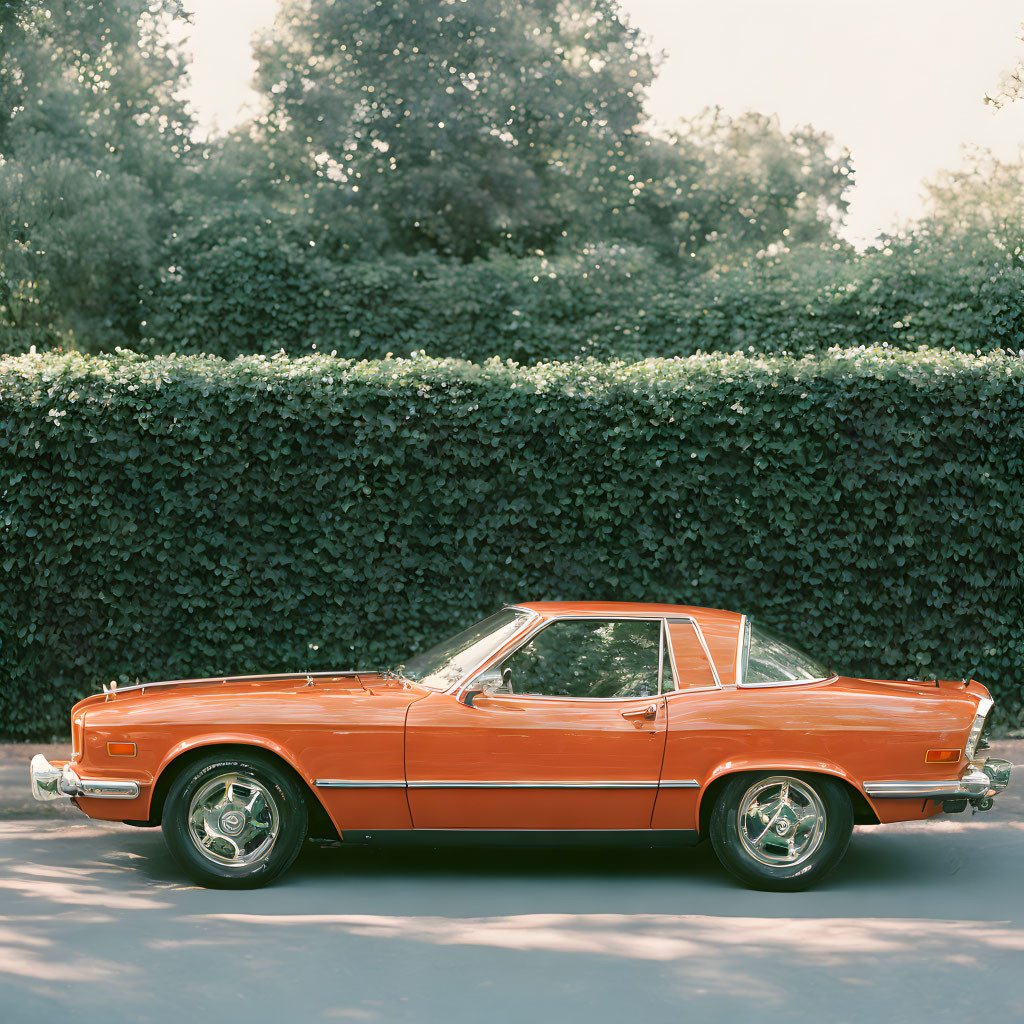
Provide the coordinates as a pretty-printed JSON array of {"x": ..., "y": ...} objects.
[
  {"x": 462, "y": 125},
  {"x": 724, "y": 188},
  {"x": 467, "y": 128},
  {"x": 979, "y": 207},
  {"x": 92, "y": 132}
]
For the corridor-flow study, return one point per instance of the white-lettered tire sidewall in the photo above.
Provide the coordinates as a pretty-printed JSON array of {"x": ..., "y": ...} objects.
[
  {"x": 291, "y": 808},
  {"x": 725, "y": 839}
]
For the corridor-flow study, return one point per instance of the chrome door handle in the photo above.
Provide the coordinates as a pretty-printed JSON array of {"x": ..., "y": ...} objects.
[{"x": 648, "y": 713}]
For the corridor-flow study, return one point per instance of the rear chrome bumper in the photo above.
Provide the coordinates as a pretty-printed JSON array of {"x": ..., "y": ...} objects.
[
  {"x": 52, "y": 781},
  {"x": 985, "y": 779}
]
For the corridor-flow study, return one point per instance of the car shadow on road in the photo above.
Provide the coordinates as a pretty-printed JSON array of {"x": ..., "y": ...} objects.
[
  {"x": 108, "y": 903},
  {"x": 876, "y": 857}
]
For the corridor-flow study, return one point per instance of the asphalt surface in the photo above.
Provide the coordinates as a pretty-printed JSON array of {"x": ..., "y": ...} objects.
[{"x": 921, "y": 922}]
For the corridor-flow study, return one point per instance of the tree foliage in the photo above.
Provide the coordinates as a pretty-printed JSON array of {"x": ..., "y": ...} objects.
[
  {"x": 462, "y": 124},
  {"x": 721, "y": 189},
  {"x": 977, "y": 207},
  {"x": 432, "y": 129},
  {"x": 92, "y": 132},
  {"x": 469, "y": 128}
]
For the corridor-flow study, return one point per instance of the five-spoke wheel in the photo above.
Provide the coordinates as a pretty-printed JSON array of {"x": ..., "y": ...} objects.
[
  {"x": 781, "y": 832},
  {"x": 234, "y": 823}
]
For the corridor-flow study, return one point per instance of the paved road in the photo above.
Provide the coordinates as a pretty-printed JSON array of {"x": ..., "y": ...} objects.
[{"x": 921, "y": 922}]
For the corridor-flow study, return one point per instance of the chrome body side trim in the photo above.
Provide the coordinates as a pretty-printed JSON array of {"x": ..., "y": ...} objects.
[
  {"x": 458, "y": 784},
  {"x": 452, "y": 784},
  {"x": 359, "y": 783},
  {"x": 662, "y": 640},
  {"x": 50, "y": 782},
  {"x": 976, "y": 780},
  {"x": 742, "y": 650}
]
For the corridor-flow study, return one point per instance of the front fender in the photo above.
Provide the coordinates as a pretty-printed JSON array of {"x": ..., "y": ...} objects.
[{"x": 233, "y": 738}]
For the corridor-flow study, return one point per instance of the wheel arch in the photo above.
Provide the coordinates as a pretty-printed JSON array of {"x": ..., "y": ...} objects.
[
  {"x": 863, "y": 811},
  {"x": 179, "y": 758}
]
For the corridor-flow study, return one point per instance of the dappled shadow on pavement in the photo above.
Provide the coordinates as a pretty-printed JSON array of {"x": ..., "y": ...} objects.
[
  {"x": 921, "y": 920},
  {"x": 94, "y": 915}
]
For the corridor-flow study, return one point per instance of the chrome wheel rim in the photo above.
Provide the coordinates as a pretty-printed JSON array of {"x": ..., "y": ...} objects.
[
  {"x": 233, "y": 820},
  {"x": 781, "y": 821}
]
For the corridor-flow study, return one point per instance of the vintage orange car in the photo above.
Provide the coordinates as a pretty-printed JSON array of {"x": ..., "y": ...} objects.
[{"x": 558, "y": 722}]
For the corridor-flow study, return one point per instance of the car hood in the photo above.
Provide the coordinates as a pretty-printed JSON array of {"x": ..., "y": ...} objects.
[{"x": 371, "y": 681}]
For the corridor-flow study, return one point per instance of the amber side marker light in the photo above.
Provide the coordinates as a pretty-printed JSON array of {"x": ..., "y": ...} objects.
[
  {"x": 942, "y": 757},
  {"x": 128, "y": 749}
]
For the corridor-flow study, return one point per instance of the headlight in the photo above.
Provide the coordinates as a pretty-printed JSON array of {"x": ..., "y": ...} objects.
[{"x": 984, "y": 707}]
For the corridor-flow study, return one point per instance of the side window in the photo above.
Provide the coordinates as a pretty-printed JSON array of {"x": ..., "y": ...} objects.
[
  {"x": 773, "y": 660},
  {"x": 688, "y": 663},
  {"x": 587, "y": 658}
]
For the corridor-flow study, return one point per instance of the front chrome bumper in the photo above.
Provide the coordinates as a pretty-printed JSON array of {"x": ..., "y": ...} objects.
[
  {"x": 52, "y": 781},
  {"x": 985, "y": 779}
]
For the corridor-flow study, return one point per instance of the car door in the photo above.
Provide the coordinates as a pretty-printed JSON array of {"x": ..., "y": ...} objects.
[{"x": 572, "y": 739}]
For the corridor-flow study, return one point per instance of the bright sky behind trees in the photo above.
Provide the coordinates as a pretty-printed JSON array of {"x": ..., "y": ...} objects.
[{"x": 900, "y": 85}]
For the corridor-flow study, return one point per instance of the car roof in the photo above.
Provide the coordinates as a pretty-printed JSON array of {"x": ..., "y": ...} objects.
[{"x": 553, "y": 608}]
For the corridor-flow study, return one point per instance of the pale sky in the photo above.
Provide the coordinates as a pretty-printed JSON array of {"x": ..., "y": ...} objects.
[{"x": 900, "y": 84}]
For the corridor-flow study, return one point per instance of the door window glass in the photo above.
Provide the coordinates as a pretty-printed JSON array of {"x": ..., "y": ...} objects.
[{"x": 587, "y": 658}]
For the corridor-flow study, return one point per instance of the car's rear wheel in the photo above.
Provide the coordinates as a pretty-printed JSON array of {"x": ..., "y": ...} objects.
[
  {"x": 235, "y": 822},
  {"x": 781, "y": 831}
]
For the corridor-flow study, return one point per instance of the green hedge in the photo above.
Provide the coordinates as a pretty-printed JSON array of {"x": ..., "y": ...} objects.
[
  {"x": 174, "y": 516},
  {"x": 261, "y": 292}
]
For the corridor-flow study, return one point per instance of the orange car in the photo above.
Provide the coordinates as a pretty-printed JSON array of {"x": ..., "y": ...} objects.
[{"x": 562, "y": 722}]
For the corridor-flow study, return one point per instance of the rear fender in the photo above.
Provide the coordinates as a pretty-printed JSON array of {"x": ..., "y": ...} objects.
[{"x": 781, "y": 763}]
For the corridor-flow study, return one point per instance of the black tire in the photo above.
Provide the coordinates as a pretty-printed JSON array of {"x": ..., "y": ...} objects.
[
  {"x": 800, "y": 855},
  {"x": 271, "y": 830}
]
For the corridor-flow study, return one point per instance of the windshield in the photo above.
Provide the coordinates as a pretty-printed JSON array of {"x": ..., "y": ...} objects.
[
  {"x": 774, "y": 660},
  {"x": 449, "y": 661}
]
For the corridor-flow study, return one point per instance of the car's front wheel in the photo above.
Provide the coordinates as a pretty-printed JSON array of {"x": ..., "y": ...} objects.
[
  {"x": 781, "y": 831},
  {"x": 234, "y": 822}
]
